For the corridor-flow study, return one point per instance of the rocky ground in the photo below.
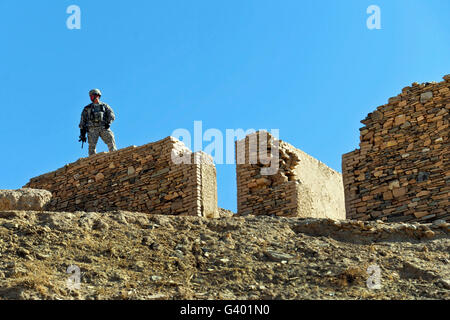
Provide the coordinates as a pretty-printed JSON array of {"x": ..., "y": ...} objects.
[{"x": 124, "y": 255}]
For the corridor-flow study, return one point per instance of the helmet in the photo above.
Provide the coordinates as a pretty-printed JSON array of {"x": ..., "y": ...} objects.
[{"x": 95, "y": 91}]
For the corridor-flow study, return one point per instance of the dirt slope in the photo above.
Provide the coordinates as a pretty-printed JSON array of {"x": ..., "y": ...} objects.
[{"x": 124, "y": 255}]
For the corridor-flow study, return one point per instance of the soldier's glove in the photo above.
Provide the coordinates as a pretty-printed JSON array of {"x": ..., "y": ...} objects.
[
  {"x": 107, "y": 126},
  {"x": 83, "y": 135}
]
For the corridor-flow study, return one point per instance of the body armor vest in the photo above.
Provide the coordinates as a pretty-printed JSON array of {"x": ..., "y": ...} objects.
[{"x": 97, "y": 113}]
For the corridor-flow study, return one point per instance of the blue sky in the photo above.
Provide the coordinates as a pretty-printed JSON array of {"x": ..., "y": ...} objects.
[{"x": 311, "y": 69}]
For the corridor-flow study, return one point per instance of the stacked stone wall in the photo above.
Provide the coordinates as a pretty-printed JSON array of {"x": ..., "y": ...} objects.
[
  {"x": 401, "y": 171},
  {"x": 142, "y": 179},
  {"x": 301, "y": 185}
]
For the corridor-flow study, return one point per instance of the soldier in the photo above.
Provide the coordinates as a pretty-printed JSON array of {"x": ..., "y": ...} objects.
[{"x": 96, "y": 119}]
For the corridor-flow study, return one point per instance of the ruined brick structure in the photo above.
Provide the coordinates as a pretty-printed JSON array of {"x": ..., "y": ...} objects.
[
  {"x": 143, "y": 179},
  {"x": 146, "y": 179},
  {"x": 401, "y": 171},
  {"x": 302, "y": 186}
]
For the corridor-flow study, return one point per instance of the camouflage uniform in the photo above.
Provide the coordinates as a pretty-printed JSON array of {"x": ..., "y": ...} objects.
[{"x": 97, "y": 118}]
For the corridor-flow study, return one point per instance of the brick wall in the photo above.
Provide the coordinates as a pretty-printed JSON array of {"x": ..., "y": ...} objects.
[
  {"x": 401, "y": 171},
  {"x": 143, "y": 179},
  {"x": 302, "y": 186}
]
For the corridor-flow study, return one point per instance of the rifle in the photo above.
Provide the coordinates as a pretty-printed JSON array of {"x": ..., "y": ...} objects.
[{"x": 82, "y": 137}]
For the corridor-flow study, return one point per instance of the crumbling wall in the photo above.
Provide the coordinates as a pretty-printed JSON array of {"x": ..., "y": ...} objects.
[
  {"x": 24, "y": 199},
  {"x": 142, "y": 179},
  {"x": 302, "y": 186},
  {"x": 401, "y": 171}
]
